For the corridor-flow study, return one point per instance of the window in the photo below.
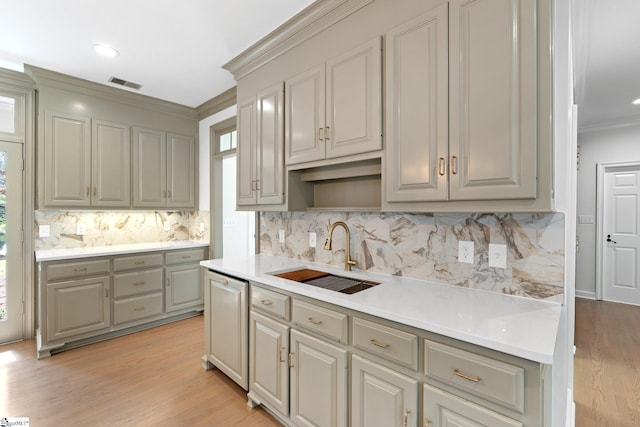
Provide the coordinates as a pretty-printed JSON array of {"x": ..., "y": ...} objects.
[{"x": 7, "y": 115}]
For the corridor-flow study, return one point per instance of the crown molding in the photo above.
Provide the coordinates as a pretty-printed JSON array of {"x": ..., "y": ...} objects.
[
  {"x": 16, "y": 80},
  {"x": 53, "y": 79},
  {"x": 611, "y": 125},
  {"x": 225, "y": 100},
  {"x": 317, "y": 17}
]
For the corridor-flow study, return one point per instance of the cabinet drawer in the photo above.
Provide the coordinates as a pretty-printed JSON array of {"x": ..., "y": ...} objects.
[
  {"x": 78, "y": 269},
  {"x": 319, "y": 319},
  {"x": 190, "y": 255},
  {"x": 135, "y": 308},
  {"x": 138, "y": 282},
  {"x": 390, "y": 343},
  {"x": 271, "y": 302},
  {"x": 485, "y": 377},
  {"x": 137, "y": 261}
]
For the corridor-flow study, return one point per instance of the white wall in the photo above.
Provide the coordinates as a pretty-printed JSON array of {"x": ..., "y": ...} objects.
[
  {"x": 205, "y": 160},
  {"x": 601, "y": 146}
]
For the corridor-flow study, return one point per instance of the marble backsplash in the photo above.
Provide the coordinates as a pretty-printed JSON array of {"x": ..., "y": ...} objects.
[
  {"x": 425, "y": 246},
  {"x": 113, "y": 228}
]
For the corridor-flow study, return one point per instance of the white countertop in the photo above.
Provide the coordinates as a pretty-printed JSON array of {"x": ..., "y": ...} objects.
[
  {"x": 87, "y": 252},
  {"x": 518, "y": 326}
]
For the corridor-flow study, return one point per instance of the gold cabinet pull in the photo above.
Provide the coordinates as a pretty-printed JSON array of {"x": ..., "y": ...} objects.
[
  {"x": 405, "y": 418},
  {"x": 139, "y": 283},
  {"x": 95, "y": 191},
  {"x": 169, "y": 194},
  {"x": 186, "y": 256},
  {"x": 266, "y": 302},
  {"x": 427, "y": 422},
  {"x": 314, "y": 321},
  {"x": 320, "y": 134},
  {"x": 139, "y": 262},
  {"x": 281, "y": 356},
  {"x": 88, "y": 191},
  {"x": 290, "y": 360},
  {"x": 454, "y": 165},
  {"x": 378, "y": 343},
  {"x": 224, "y": 281},
  {"x": 138, "y": 309},
  {"x": 80, "y": 269},
  {"x": 257, "y": 185},
  {"x": 441, "y": 163},
  {"x": 327, "y": 133},
  {"x": 467, "y": 377}
]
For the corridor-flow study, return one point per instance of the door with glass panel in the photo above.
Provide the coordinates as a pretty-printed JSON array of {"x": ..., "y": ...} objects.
[{"x": 11, "y": 258}]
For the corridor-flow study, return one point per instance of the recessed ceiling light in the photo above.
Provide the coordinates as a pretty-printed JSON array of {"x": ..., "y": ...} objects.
[
  {"x": 105, "y": 50},
  {"x": 636, "y": 102}
]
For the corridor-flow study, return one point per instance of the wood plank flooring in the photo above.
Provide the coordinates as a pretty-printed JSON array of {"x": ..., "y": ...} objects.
[
  {"x": 150, "y": 378},
  {"x": 607, "y": 364}
]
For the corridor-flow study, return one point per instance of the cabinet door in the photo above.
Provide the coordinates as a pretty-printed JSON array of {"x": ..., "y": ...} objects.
[
  {"x": 181, "y": 171},
  {"x": 493, "y": 59},
  {"x": 226, "y": 309},
  {"x": 382, "y": 397},
  {"x": 184, "y": 287},
  {"x": 442, "y": 409},
  {"x": 149, "y": 168},
  {"x": 354, "y": 101},
  {"x": 268, "y": 368},
  {"x": 67, "y": 160},
  {"x": 304, "y": 118},
  {"x": 247, "y": 153},
  {"x": 111, "y": 164},
  {"x": 318, "y": 382},
  {"x": 417, "y": 103},
  {"x": 77, "y": 307},
  {"x": 270, "y": 161}
]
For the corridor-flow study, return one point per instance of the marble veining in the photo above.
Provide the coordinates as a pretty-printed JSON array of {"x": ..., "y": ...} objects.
[
  {"x": 115, "y": 228},
  {"x": 425, "y": 246}
]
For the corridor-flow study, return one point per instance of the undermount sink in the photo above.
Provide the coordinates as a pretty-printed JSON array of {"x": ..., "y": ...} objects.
[{"x": 332, "y": 282}]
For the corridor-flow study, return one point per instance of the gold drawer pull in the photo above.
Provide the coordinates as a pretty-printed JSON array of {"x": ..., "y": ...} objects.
[
  {"x": 405, "y": 418},
  {"x": 186, "y": 256},
  {"x": 320, "y": 134},
  {"x": 454, "y": 165},
  {"x": 467, "y": 377},
  {"x": 139, "y": 262},
  {"x": 139, "y": 283},
  {"x": 379, "y": 344},
  {"x": 224, "y": 281},
  {"x": 138, "y": 309},
  {"x": 441, "y": 170},
  {"x": 427, "y": 422},
  {"x": 314, "y": 321},
  {"x": 266, "y": 302},
  {"x": 80, "y": 269},
  {"x": 281, "y": 356}
]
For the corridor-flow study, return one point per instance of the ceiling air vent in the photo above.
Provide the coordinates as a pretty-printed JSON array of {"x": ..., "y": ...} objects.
[{"x": 125, "y": 83}]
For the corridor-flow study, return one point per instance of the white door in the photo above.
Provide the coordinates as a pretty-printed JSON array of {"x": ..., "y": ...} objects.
[
  {"x": 621, "y": 239},
  {"x": 11, "y": 259}
]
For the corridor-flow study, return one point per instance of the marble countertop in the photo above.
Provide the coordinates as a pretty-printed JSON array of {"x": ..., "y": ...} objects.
[
  {"x": 87, "y": 252},
  {"x": 518, "y": 326}
]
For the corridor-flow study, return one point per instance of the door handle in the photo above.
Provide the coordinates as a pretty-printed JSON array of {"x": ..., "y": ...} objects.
[{"x": 609, "y": 239}]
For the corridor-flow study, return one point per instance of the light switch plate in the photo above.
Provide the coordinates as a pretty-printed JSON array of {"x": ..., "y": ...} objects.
[
  {"x": 202, "y": 227},
  {"x": 44, "y": 230},
  {"x": 497, "y": 255},
  {"x": 312, "y": 239},
  {"x": 585, "y": 219},
  {"x": 167, "y": 226},
  {"x": 281, "y": 236},
  {"x": 81, "y": 229},
  {"x": 465, "y": 251}
]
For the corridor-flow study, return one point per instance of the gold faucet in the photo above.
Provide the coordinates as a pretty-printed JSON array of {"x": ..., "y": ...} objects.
[{"x": 348, "y": 262}]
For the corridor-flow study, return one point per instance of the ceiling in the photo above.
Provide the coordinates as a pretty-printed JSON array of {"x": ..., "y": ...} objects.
[
  {"x": 175, "y": 53},
  {"x": 607, "y": 62}
]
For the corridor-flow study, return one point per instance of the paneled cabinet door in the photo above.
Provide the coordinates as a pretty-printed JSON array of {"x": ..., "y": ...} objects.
[
  {"x": 318, "y": 382},
  {"x": 442, "y": 409},
  {"x": 181, "y": 171},
  {"x": 184, "y": 287},
  {"x": 111, "y": 164},
  {"x": 67, "y": 160},
  {"x": 270, "y": 139},
  {"x": 149, "y": 167},
  {"x": 78, "y": 306},
  {"x": 354, "y": 101},
  {"x": 226, "y": 307},
  {"x": 417, "y": 103},
  {"x": 247, "y": 152},
  {"x": 492, "y": 51},
  {"x": 268, "y": 367},
  {"x": 382, "y": 397}
]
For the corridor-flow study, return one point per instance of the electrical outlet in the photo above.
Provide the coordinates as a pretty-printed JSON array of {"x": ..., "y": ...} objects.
[
  {"x": 465, "y": 251},
  {"x": 497, "y": 255},
  {"x": 167, "y": 226},
  {"x": 202, "y": 227},
  {"x": 44, "y": 230},
  {"x": 281, "y": 236},
  {"x": 81, "y": 229},
  {"x": 312, "y": 239},
  {"x": 585, "y": 219}
]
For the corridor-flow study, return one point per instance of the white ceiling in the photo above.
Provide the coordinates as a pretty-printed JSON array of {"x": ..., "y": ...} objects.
[
  {"x": 607, "y": 62},
  {"x": 174, "y": 49}
]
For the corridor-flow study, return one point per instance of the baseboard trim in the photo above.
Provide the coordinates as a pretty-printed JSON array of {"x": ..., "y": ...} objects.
[{"x": 585, "y": 294}]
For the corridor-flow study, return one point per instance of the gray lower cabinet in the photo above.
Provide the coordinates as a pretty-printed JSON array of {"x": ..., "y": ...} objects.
[{"x": 81, "y": 300}]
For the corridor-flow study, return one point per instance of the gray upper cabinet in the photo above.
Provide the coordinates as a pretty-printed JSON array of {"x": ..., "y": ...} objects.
[
  {"x": 164, "y": 168},
  {"x": 335, "y": 108},
  {"x": 110, "y": 164}
]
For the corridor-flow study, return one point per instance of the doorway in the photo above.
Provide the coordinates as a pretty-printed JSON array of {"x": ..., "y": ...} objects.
[
  {"x": 11, "y": 253},
  {"x": 618, "y": 235}
]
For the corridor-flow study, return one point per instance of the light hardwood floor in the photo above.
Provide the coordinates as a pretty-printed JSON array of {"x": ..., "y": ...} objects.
[
  {"x": 607, "y": 364},
  {"x": 150, "y": 378}
]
